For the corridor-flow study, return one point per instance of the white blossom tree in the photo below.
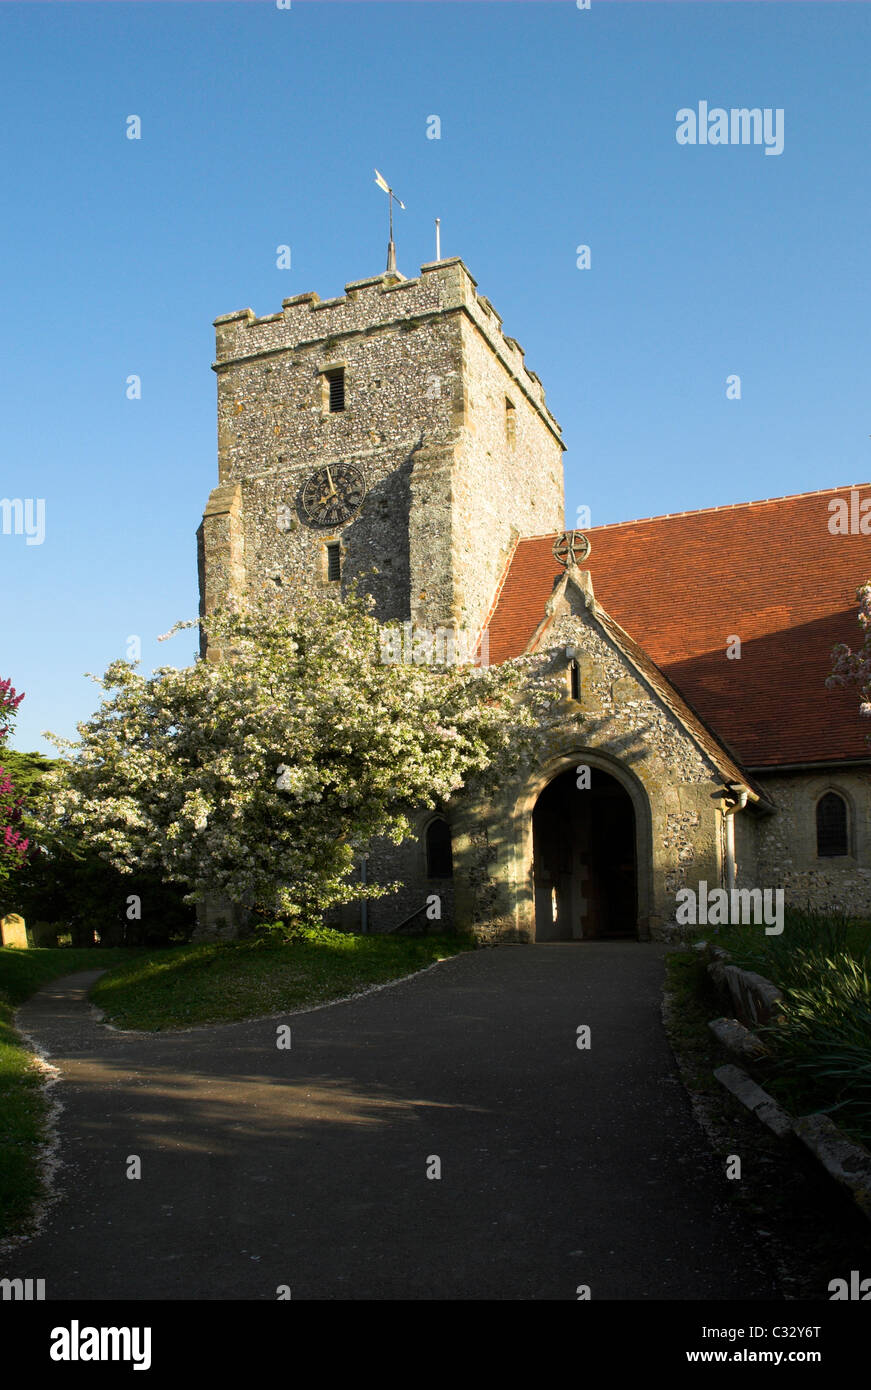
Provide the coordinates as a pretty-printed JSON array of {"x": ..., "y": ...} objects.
[
  {"x": 262, "y": 774},
  {"x": 854, "y": 667}
]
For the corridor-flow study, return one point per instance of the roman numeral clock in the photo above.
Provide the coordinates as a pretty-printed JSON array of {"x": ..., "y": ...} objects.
[{"x": 333, "y": 494}]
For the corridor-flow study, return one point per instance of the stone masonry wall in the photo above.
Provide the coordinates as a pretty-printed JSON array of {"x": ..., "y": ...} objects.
[
  {"x": 405, "y": 864},
  {"x": 621, "y": 721},
  {"x": 786, "y": 844},
  {"x": 274, "y": 432},
  {"x": 508, "y": 481},
  {"x": 624, "y": 716},
  {"x": 615, "y": 700},
  {"x": 416, "y": 355}
]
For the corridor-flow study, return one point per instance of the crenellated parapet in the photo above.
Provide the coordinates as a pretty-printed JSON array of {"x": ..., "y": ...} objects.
[{"x": 367, "y": 306}]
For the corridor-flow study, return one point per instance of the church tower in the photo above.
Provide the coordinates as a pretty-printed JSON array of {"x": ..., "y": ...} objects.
[{"x": 393, "y": 434}]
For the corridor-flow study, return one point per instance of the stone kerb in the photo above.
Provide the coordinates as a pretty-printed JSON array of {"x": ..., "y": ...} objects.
[{"x": 754, "y": 999}]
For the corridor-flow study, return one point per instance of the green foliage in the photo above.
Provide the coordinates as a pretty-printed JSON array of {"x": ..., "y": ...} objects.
[
  {"x": 804, "y": 929},
  {"x": 74, "y": 889},
  {"x": 26, "y": 770},
  {"x": 280, "y": 932},
  {"x": 824, "y": 1033},
  {"x": 83, "y": 895}
]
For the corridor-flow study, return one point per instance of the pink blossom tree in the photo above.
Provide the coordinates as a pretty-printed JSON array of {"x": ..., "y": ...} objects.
[{"x": 13, "y": 845}]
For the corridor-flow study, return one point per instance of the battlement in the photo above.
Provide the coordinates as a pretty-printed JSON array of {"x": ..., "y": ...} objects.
[{"x": 380, "y": 302}]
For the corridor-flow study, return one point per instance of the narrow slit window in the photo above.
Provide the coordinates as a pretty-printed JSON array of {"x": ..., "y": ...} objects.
[
  {"x": 575, "y": 680},
  {"x": 832, "y": 838},
  {"x": 336, "y": 389},
  {"x": 510, "y": 422},
  {"x": 334, "y": 561}
]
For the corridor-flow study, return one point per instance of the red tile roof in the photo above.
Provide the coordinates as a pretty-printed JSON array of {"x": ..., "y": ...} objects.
[{"x": 769, "y": 572}]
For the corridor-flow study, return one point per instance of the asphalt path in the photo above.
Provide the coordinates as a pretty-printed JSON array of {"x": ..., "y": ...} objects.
[{"x": 309, "y": 1167}]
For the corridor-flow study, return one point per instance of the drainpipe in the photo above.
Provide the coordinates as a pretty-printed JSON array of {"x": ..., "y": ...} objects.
[
  {"x": 364, "y": 902},
  {"x": 736, "y": 799}
]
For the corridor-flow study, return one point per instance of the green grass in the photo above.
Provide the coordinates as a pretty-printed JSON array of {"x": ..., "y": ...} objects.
[
  {"x": 691, "y": 1004},
  {"x": 220, "y": 983},
  {"x": 22, "y": 1099}
]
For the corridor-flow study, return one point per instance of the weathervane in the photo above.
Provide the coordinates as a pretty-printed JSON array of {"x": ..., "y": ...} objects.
[
  {"x": 570, "y": 548},
  {"x": 391, "y": 249}
]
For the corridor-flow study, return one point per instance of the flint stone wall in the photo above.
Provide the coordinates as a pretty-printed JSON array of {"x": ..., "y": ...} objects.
[
  {"x": 627, "y": 730},
  {"x": 786, "y": 843},
  {"x": 428, "y": 374}
]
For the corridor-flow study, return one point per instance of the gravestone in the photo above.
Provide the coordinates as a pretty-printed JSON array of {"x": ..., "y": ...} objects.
[{"x": 13, "y": 930}]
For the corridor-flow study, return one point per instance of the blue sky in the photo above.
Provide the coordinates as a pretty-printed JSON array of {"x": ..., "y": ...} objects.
[{"x": 261, "y": 127}]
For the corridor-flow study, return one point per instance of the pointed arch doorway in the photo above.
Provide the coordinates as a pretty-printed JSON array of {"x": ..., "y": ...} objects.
[{"x": 584, "y": 860}]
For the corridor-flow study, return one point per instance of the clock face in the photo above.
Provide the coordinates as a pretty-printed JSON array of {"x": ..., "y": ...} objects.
[{"x": 333, "y": 494}]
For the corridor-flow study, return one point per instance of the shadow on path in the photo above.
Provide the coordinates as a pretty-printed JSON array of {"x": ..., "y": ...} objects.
[{"x": 308, "y": 1167}]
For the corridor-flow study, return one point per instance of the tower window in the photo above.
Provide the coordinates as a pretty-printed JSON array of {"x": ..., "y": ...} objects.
[
  {"x": 334, "y": 561},
  {"x": 439, "y": 854},
  {"x": 510, "y": 422},
  {"x": 336, "y": 389},
  {"x": 832, "y": 838}
]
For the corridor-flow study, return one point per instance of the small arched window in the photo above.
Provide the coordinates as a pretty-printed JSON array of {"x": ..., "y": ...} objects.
[
  {"x": 439, "y": 855},
  {"x": 832, "y": 836}
]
